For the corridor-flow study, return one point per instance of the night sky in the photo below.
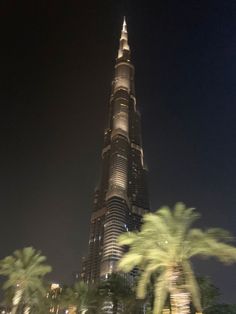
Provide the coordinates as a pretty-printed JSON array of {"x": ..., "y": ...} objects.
[{"x": 57, "y": 66}]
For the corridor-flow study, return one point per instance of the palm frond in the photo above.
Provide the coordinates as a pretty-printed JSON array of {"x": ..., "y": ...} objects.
[
  {"x": 192, "y": 285},
  {"x": 142, "y": 283},
  {"x": 127, "y": 238},
  {"x": 129, "y": 261},
  {"x": 161, "y": 293}
]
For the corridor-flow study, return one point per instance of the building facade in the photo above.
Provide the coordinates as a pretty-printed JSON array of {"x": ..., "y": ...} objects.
[{"x": 122, "y": 196}]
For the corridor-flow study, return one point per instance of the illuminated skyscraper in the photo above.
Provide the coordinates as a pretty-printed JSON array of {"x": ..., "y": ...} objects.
[{"x": 122, "y": 197}]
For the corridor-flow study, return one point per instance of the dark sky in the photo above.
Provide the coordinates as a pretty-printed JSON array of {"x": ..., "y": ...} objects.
[{"x": 57, "y": 66}]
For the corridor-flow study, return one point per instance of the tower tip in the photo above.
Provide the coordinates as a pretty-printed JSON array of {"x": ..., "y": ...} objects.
[
  {"x": 124, "y": 25},
  {"x": 123, "y": 40}
]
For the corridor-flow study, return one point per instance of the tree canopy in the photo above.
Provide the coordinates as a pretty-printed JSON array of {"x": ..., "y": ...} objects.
[{"x": 164, "y": 246}]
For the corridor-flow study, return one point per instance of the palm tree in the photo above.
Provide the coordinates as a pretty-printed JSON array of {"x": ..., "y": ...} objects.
[
  {"x": 164, "y": 246},
  {"x": 116, "y": 293},
  {"x": 25, "y": 270},
  {"x": 79, "y": 296},
  {"x": 209, "y": 293}
]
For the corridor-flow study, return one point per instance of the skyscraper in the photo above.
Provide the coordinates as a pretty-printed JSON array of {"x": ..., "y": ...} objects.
[{"x": 122, "y": 198}]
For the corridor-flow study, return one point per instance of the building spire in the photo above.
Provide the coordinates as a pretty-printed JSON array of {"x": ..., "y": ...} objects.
[
  {"x": 124, "y": 25},
  {"x": 124, "y": 50}
]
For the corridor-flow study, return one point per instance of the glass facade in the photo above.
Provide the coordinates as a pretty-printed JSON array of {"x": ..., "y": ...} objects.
[{"x": 122, "y": 196}]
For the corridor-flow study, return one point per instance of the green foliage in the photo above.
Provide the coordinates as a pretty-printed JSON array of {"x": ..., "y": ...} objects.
[
  {"x": 209, "y": 293},
  {"x": 117, "y": 290},
  {"x": 221, "y": 309},
  {"x": 81, "y": 296},
  {"x": 165, "y": 245},
  {"x": 24, "y": 270}
]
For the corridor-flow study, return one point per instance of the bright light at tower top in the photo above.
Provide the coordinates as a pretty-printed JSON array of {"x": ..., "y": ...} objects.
[
  {"x": 124, "y": 29},
  {"x": 123, "y": 40}
]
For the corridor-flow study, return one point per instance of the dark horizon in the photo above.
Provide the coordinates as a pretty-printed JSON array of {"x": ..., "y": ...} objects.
[{"x": 57, "y": 69}]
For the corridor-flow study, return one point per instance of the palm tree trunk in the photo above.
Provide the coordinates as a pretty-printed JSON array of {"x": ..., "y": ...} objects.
[
  {"x": 180, "y": 301},
  {"x": 16, "y": 300},
  {"x": 179, "y": 297}
]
